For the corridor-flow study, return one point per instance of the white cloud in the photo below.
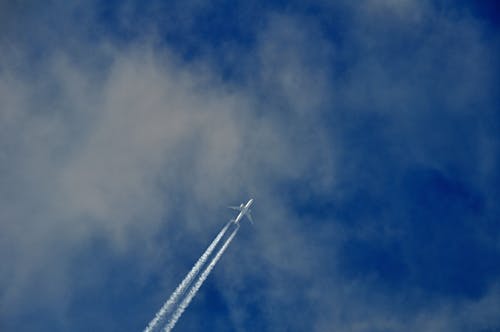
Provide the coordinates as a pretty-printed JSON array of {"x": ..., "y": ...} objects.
[
  {"x": 103, "y": 151},
  {"x": 112, "y": 148}
]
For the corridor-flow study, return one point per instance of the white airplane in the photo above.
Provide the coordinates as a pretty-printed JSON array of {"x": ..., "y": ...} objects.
[{"x": 244, "y": 211}]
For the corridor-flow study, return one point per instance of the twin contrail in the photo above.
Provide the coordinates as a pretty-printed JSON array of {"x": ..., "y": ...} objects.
[
  {"x": 180, "y": 290},
  {"x": 173, "y": 302},
  {"x": 192, "y": 292}
]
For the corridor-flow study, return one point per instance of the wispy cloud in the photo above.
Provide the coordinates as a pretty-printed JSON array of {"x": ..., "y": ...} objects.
[{"x": 354, "y": 132}]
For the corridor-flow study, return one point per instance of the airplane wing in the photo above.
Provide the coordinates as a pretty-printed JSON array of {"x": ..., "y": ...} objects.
[
  {"x": 237, "y": 208},
  {"x": 249, "y": 217}
]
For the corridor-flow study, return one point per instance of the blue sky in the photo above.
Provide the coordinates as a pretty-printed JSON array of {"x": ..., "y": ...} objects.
[{"x": 367, "y": 132}]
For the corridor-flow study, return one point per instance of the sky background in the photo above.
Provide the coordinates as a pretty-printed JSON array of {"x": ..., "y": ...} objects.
[{"x": 368, "y": 133}]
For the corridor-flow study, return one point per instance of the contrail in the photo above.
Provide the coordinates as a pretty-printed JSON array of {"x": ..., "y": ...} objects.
[
  {"x": 167, "y": 307},
  {"x": 192, "y": 292}
]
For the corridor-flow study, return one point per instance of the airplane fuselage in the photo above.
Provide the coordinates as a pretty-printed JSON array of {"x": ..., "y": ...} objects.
[{"x": 243, "y": 210}]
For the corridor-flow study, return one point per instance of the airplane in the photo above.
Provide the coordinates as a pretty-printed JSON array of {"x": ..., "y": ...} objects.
[{"x": 244, "y": 211}]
